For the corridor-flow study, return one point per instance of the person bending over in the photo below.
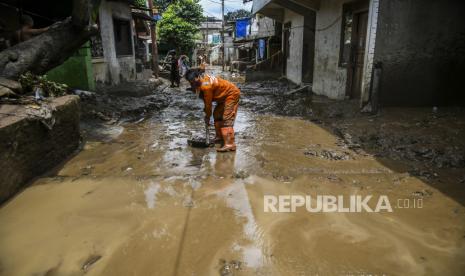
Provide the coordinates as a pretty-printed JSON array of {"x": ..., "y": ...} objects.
[{"x": 226, "y": 95}]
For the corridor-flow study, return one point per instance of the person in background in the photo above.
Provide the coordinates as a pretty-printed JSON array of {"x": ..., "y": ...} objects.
[
  {"x": 183, "y": 66},
  {"x": 226, "y": 95},
  {"x": 174, "y": 72},
  {"x": 27, "y": 31},
  {"x": 202, "y": 63}
]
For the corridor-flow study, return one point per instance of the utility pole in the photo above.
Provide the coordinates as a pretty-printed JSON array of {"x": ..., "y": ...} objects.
[
  {"x": 153, "y": 34},
  {"x": 222, "y": 31}
]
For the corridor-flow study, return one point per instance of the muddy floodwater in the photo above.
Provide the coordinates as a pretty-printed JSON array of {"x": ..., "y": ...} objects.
[{"x": 136, "y": 200}]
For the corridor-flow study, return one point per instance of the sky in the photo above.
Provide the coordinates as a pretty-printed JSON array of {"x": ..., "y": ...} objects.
[{"x": 213, "y": 7}]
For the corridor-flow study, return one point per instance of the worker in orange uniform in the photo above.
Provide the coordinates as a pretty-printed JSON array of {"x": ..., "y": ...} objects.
[{"x": 226, "y": 95}]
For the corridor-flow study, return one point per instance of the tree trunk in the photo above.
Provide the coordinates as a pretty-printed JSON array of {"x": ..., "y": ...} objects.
[{"x": 50, "y": 49}]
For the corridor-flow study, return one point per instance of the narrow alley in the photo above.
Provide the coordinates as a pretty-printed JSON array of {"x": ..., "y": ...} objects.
[
  {"x": 136, "y": 200},
  {"x": 232, "y": 138}
]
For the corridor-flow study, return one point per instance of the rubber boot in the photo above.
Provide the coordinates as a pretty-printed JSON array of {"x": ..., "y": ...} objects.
[
  {"x": 219, "y": 136},
  {"x": 228, "y": 137}
]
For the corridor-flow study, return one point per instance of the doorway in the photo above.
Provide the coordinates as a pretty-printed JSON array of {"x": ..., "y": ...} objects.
[
  {"x": 357, "y": 55},
  {"x": 286, "y": 44},
  {"x": 308, "y": 55}
]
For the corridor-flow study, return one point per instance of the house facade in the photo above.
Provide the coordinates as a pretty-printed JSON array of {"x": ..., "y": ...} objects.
[
  {"x": 397, "y": 52},
  {"x": 76, "y": 71},
  {"x": 297, "y": 19},
  {"x": 118, "y": 53},
  {"x": 257, "y": 48},
  {"x": 209, "y": 45},
  {"x": 113, "y": 55}
]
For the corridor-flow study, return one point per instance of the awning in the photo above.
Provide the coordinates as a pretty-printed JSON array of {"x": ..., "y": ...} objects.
[{"x": 142, "y": 16}]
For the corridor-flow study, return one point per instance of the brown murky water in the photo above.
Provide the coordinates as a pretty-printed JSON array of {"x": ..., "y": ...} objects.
[{"x": 140, "y": 202}]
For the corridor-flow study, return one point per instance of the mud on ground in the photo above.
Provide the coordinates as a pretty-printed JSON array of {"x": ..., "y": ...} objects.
[
  {"x": 423, "y": 139},
  {"x": 126, "y": 101},
  {"x": 138, "y": 201}
]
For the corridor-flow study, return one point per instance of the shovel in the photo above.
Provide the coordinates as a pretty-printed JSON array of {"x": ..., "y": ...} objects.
[{"x": 200, "y": 142}]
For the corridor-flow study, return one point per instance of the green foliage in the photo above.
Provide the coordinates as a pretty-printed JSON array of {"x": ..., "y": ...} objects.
[
  {"x": 51, "y": 89},
  {"x": 189, "y": 10},
  {"x": 161, "y": 5},
  {"x": 139, "y": 3},
  {"x": 237, "y": 14},
  {"x": 179, "y": 24}
]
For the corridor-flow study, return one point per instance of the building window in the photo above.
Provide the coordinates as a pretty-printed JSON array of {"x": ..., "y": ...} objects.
[
  {"x": 346, "y": 37},
  {"x": 123, "y": 38}
]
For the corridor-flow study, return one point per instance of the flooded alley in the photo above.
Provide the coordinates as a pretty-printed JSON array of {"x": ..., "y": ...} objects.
[
  {"x": 137, "y": 200},
  {"x": 232, "y": 138}
]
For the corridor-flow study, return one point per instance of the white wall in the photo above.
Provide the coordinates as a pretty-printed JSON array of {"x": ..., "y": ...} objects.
[
  {"x": 100, "y": 69},
  {"x": 262, "y": 26},
  {"x": 229, "y": 47},
  {"x": 370, "y": 49},
  {"x": 328, "y": 78},
  {"x": 294, "y": 62},
  {"x": 118, "y": 68},
  {"x": 215, "y": 55}
]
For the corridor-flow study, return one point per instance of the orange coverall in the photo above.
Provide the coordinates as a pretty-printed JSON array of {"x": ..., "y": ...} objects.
[{"x": 225, "y": 94}]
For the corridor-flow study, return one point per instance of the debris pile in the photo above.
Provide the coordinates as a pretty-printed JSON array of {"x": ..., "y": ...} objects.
[
  {"x": 329, "y": 154},
  {"x": 424, "y": 149},
  {"x": 426, "y": 142},
  {"x": 128, "y": 100},
  {"x": 277, "y": 97}
]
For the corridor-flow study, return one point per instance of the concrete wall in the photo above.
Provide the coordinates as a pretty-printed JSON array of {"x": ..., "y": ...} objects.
[
  {"x": 262, "y": 26},
  {"x": 261, "y": 75},
  {"x": 118, "y": 68},
  {"x": 370, "y": 47},
  {"x": 229, "y": 48},
  {"x": 100, "y": 69},
  {"x": 127, "y": 68},
  {"x": 209, "y": 28},
  {"x": 258, "y": 5},
  {"x": 76, "y": 71},
  {"x": 29, "y": 148},
  {"x": 294, "y": 62},
  {"x": 328, "y": 78},
  {"x": 215, "y": 55},
  {"x": 421, "y": 44}
]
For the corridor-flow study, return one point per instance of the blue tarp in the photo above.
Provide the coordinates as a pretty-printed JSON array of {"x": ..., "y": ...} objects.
[
  {"x": 261, "y": 48},
  {"x": 241, "y": 27}
]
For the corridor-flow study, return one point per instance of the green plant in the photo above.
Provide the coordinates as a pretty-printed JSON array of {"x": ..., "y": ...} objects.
[
  {"x": 30, "y": 81},
  {"x": 180, "y": 24},
  {"x": 161, "y": 5},
  {"x": 241, "y": 13}
]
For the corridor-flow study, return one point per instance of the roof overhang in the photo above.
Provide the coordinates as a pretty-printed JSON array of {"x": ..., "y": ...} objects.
[
  {"x": 142, "y": 16},
  {"x": 275, "y": 8}
]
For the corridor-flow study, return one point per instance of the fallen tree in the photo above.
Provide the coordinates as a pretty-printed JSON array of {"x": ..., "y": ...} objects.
[{"x": 50, "y": 49}]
